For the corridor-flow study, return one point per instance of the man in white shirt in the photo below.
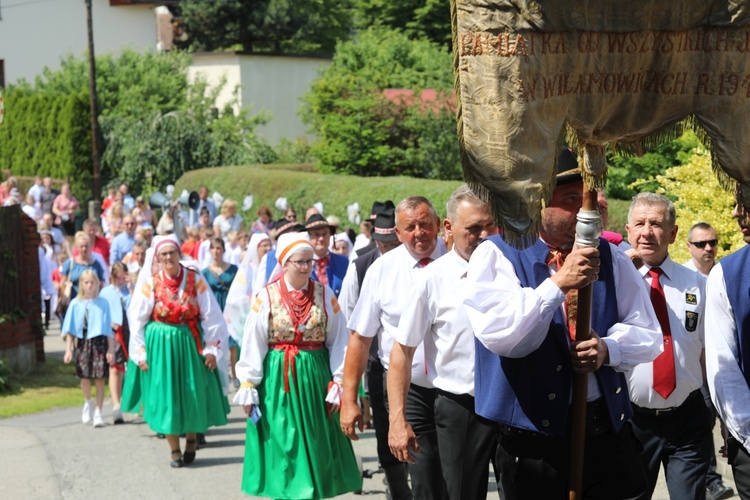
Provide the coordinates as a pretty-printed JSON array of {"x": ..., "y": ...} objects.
[
  {"x": 384, "y": 236},
  {"x": 702, "y": 244},
  {"x": 517, "y": 304},
  {"x": 728, "y": 352},
  {"x": 36, "y": 191},
  {"x": 386, "y": 290},
  {"x": 436, "y": 316},
  {"x": 671, "y": 419}
]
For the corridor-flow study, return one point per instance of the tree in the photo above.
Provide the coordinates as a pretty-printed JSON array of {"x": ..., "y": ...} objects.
[
  {"x": 280, "y": 26},
  {"x": 625, "y": 170},
  {"x": 698, "y": 197},
  {"x": 156, "y": 125},
  {"x": 418, "y": 19},
  {"x": 362, "y": 131}
]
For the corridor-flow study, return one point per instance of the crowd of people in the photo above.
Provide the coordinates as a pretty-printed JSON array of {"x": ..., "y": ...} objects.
[{"x": 458, "y": 348}]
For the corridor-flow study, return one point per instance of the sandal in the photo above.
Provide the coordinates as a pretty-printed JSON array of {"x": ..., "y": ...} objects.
[
  {"x": 189, "y": 456},
  {"x": 176, "y": 464}
]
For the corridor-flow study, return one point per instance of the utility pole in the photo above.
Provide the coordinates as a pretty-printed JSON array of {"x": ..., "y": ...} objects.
[{"x": 95, "y": 144}]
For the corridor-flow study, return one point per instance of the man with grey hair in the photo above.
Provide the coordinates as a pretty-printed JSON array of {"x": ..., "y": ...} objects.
[
  {"x": 670, "y": 417},
  {"x": 138, "y": 253},
  {"x": 386, "y": 291},
  {"x": 437, "y": 317}
]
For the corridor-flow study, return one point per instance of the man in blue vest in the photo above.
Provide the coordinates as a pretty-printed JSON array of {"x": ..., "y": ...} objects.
[
  {"x": 525, "y": 357},
  {"x": 728, "y": 351},
  {"x": 329, "y": 268}
]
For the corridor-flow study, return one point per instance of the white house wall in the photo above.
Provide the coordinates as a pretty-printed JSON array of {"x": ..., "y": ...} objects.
[
  {"x": 215, "y": 67},
  {"x": 271, "y": 83},
  {"x": 35, "y": 34}
]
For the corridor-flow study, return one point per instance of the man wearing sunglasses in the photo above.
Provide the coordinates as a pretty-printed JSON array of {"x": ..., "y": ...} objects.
[{"x": 702, "y": 244}]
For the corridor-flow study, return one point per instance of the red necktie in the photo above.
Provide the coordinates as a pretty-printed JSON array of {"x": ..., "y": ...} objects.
[
  {"x": 664, "y": 377},
  {"x": 571, "y": 298},
  {"x": 320, "y": 270}
]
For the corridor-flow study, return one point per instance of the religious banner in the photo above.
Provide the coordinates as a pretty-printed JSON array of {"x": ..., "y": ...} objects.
[{"x": 531, "y": 75}]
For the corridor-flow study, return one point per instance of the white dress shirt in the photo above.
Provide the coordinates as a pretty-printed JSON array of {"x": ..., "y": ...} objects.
[
  {"x": 387, "y": 288},
  {"x": 685, "y": 293},
  {"x": 350, "y": 289},
  {"x": 437, "y": 317},
  {"x": 729, "y": 390},
  {"x": 513, "y": 321}
]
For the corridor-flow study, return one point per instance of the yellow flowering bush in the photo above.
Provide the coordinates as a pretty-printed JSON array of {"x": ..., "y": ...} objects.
[{"x": 698, "y": 197}]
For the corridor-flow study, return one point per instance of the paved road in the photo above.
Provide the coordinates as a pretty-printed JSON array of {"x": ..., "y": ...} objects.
[{"x": 52, "y": 455}]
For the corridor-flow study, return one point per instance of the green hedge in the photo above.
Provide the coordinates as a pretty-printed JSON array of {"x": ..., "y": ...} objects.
[
  {"x": 49, "y": 136},
  {"x": 301, "y": 189}
]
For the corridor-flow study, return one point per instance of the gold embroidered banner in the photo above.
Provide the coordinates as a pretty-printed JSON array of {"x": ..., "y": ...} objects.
[{"x": 528, "y": 72}]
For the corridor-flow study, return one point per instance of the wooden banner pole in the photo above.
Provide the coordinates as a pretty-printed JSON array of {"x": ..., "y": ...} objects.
[{"x": 580, "y": 381}]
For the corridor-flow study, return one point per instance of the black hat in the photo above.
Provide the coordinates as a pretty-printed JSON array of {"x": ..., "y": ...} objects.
[
  {"x": 567, "y": 167},
  {"x": 380, "y": 206},
  {"x": 283, "y": 226},
  {"x": 384, "y": 227},
  {"x": 317, "y": 221}
]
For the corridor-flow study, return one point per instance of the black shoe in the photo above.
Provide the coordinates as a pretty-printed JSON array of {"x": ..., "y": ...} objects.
[
  {"x": 176, "y": 463},
  {"x": 201, "y": 440},
  {"x": 160, "y": 435},
  {"x": 189, "y": 456},
  {"x": 720, "y": 491}
]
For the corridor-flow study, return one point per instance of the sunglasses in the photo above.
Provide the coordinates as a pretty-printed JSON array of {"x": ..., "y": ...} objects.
[{"x": 702, "y": 244}]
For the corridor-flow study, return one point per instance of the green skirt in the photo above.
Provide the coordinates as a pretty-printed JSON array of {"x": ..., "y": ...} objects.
[
  {"x": 296, "y": 450},
  {"x": 179, "y": 394}
]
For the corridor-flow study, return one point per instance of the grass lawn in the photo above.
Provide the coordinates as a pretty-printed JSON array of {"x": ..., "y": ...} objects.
[
  {"x": 302, "y": 185},
  {"x": 57, "y": 387}
]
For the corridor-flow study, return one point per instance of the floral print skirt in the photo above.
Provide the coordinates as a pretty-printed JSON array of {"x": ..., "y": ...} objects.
[{"x": 91, "y": 358}]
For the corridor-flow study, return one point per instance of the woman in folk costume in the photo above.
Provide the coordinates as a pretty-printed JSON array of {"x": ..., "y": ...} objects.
[
  {"x": 241, "y": 292},
  {"x": 291, "y": 366},
  {"x": 175, "y": 331}
]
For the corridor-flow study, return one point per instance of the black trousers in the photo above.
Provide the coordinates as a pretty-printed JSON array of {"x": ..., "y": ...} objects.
[
  {"x": 375, "y": 385},
  {"x": 739, "y": 459},
  {"x": 536, "y": 467},
  {"x": 680, "y": 440},
  {"x": 427, "y": 481},
  {"x": 426, "y": 474},
  {"x": 467, "y": 443},
  {"x": 712, "y": 477}
]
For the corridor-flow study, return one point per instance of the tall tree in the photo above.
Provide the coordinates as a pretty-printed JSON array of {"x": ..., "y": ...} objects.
[
  {"x": 418, "y": 19},
  {"x": 280, "y": 26}
]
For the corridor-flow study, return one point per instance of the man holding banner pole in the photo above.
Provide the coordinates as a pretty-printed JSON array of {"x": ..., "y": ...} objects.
[{"x": 522, "y": 309}]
